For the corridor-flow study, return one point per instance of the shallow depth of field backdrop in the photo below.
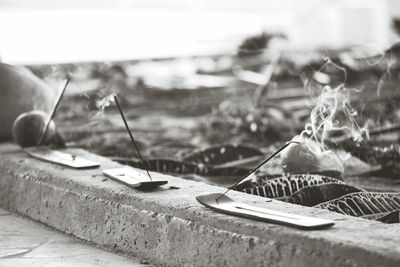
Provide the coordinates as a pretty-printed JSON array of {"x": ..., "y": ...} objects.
[{"x": 210, "y": 87}]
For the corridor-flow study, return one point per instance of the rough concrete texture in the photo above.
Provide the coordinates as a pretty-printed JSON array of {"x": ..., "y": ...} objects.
[
  {"x": 24, "y": 242},
  {"x": 168, "y": 227}
]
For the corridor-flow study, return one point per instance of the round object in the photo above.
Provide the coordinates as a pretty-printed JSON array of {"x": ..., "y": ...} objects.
[
  {"x": 28, "y": 127},
  {"x": 21, "y": 91},
  {"x": 308, "y": 157}
]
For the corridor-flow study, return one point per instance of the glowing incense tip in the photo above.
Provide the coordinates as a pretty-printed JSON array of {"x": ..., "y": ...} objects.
[
  {"x": 131, "y": 135},
  {"x": 258, "y": 166},
  {"x": 53, "y": 112}
]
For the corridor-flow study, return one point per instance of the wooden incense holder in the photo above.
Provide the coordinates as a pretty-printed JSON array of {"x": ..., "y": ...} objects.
[
  {"x": 224, "y": 204},
  {"x": 60, "y": 158},
  {"x": 132, "y": 177}
]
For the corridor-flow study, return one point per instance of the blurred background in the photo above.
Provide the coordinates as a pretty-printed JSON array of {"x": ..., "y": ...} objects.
[
  {"x": 45, "y": 31},
  {"x": 211, "y": 87}
]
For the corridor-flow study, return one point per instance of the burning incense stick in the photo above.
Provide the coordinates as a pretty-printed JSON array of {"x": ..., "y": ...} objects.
[
  {"x": 131, "y": 135},
  {"x": 53, "y": 112},
  {"x": 258, "y": 166}
]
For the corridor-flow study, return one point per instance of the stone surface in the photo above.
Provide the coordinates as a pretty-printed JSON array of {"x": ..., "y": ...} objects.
[
  {"x": 168, "y": 227},
  {"x": 24, "y": 242}
]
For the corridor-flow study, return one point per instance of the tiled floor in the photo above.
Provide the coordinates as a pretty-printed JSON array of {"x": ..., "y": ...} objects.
[{"x": 27, "y": 243}]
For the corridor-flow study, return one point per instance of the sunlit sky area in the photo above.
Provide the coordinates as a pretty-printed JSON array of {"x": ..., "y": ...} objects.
[{"x": 47, "y": 31}]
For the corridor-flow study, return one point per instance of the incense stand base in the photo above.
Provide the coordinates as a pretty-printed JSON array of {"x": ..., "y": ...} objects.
[
  {"x": 60, "y": 158},
  {"x": 224, "y": 204},
  {"x": 134, "y": 178}
]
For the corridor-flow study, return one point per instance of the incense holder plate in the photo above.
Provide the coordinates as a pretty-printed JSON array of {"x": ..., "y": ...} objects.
[
  {"x": 133, "y": 177},
  {"x": 225, "y": 204},
  {"x": 60, "y": 158}
]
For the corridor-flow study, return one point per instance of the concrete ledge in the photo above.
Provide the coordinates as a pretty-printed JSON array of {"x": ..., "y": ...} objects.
[{"x": 170, "y": 228}]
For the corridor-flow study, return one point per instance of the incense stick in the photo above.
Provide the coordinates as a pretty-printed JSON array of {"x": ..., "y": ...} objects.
[
  {"x": 258, "y": 166},
  {"x": 53, "y": 112},
  {"x": 131, "y": 135}
]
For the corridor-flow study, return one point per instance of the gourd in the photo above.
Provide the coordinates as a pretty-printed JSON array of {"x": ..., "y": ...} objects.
[{"x": 28, "y": 127}]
